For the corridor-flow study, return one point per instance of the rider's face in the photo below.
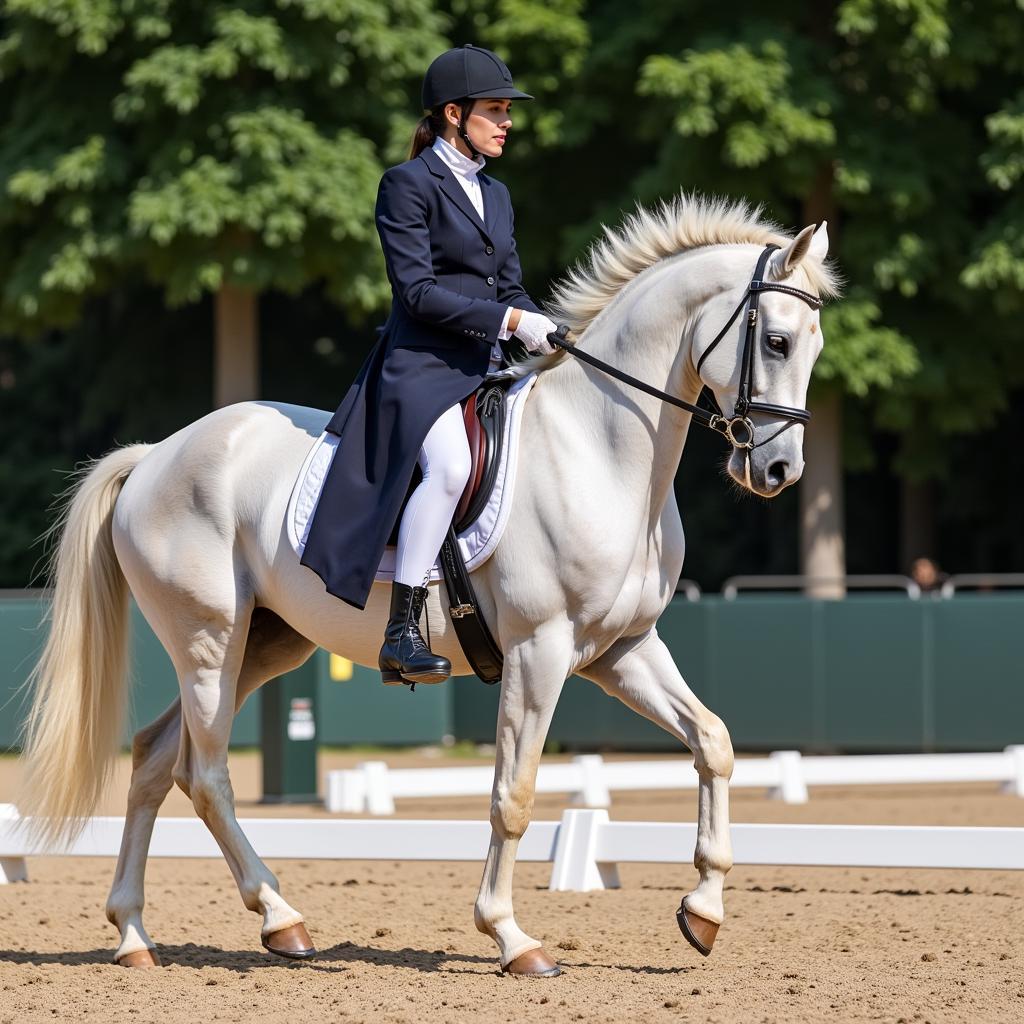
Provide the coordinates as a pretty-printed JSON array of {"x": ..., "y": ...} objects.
[{"x": 487, "y": 125}]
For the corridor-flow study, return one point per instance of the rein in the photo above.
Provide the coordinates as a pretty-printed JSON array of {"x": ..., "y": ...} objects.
[{"x": 738, "y": 429}]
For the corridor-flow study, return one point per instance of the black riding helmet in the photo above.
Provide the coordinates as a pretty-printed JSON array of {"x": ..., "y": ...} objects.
[{"x": 466, "y": 73}]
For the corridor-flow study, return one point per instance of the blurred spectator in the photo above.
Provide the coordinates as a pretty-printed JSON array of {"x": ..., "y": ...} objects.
[{"x": 927, "y": 575}]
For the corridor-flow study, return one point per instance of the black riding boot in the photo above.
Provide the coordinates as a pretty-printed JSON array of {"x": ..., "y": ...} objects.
[{"x": 405, "y": 656}]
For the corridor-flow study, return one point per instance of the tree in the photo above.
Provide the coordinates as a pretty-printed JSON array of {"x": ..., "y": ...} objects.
[
  {"x": 902, "y": 122},
  {"x": 208, "y": 147}
]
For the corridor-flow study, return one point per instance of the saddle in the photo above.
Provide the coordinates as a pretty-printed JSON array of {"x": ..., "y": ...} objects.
[{"x": 484, "y": 415}]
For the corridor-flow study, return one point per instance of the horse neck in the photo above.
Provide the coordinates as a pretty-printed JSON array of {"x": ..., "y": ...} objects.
[{"x": 647, "y": 332}]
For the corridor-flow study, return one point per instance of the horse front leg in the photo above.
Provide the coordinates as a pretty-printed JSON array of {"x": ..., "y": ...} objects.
[
  {"x": 641, "y": 673},
  {"x": 531, "y": 682}
]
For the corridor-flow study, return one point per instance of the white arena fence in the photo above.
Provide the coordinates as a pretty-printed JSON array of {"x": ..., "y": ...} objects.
[
  {"x": 584, "y": 847},
  {"x": 372, "y": 787}
]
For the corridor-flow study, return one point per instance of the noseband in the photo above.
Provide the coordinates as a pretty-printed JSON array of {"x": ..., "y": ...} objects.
[{"x": 739, "y": 428}]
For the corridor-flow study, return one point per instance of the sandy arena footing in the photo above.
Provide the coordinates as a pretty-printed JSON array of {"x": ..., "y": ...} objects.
[{"x": 398, "y": 944}]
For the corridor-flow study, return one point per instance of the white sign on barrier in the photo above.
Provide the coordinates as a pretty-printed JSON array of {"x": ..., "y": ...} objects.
[{"x": 372, "y": 787}]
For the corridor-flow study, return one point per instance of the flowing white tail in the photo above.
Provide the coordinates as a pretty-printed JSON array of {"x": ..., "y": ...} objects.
[{"x": 73, "y": 730}]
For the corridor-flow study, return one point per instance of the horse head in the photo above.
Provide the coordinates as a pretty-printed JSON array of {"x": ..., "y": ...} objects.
[{"x": 760, "y": 375}]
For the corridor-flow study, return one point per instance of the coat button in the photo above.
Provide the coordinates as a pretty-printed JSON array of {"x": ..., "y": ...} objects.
[
  {"x": 489, "y": 250},
  {"x": 490, "y": 280}
]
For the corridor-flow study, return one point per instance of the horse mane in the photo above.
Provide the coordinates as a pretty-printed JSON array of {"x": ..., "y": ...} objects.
[
  {"x": 646, "y": 236},
  {"x": 687, "y": 221}
]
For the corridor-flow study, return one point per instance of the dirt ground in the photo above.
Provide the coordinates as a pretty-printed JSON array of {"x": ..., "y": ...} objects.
[{"x": 398, "y": 944}]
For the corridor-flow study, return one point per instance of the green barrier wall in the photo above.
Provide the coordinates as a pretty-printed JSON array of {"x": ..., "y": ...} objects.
[
  {"x": 364, "y": 710},
  {"x": 873, "y": 672},
  {"x": 154, "y": 684},
  {"x": 358, "y": 710}
]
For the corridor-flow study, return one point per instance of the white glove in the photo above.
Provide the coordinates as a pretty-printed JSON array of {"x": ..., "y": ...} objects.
[{"x": 533, "y": 331}]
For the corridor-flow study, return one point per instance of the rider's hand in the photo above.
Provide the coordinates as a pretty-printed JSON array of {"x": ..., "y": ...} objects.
[{"x": 533, "y": 331}]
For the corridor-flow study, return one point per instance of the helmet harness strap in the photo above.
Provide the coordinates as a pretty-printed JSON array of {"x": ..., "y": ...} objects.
[{"x": 463, "y": 118}]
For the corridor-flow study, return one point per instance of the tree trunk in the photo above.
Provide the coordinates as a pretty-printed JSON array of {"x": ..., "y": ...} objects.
[
  {"x": 917, "y": 522},
  {"x": 236, "y": 371},
  {"x": 822, "y": 543},
  {"x": 822, "y": 533}
]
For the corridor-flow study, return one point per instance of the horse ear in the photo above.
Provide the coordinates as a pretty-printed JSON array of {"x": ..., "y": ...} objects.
[
  {"x": 785, "y": 261},
  {"x": 819, "y": 243}
]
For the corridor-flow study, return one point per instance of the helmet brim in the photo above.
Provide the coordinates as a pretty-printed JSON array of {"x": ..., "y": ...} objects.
[{"x": 502, "y": 93}]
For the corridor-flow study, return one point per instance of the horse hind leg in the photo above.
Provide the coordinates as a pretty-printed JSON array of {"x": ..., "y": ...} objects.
[
  {"x": 272, "y": 648},
  {"x": 153, "y": 753},
  {"x": 212, "y": 689},
  {"x": 641, "y": 673}
]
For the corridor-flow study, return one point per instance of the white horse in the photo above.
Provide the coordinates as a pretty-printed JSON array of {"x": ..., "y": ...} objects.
[{"x": 194, "y": 527}]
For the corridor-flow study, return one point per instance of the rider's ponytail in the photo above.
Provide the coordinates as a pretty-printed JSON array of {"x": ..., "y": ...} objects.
[
  {"x": 427, "y": 130},
  {"x": 431, "y": 125}
]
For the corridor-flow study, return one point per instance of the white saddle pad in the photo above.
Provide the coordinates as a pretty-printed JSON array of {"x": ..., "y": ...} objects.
[{"x": 477, "y": 543}]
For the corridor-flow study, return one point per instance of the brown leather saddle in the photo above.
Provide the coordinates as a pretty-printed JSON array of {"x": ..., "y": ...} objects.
[{"x": 484, "y": 415}]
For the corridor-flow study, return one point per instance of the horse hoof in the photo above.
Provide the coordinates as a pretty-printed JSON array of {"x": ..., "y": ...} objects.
[
  {"x": 534, "y": 963},
  {"x": 699, "y": 931},
  {"x": 292, "y": 942},
  {"x": 140, "y": 958}
]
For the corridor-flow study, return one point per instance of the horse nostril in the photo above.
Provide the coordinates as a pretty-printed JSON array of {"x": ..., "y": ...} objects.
[{"x": 777, "y": 473}]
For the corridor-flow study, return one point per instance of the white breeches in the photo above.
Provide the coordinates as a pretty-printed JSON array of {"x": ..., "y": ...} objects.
[{"x": 446, "y": 465}]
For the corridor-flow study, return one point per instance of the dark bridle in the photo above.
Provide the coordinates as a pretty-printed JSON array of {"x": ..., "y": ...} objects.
[{"x": 739, "y": 428}]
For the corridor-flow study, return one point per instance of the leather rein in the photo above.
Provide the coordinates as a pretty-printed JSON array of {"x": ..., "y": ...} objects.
[{"x": 739, "y": 428}]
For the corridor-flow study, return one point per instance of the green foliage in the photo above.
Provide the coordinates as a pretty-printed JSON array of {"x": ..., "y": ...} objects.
[
  {"x": 201, "y": 142},
  {"x": 860, "y": 352},
  {"x": 187, "y": 144},
  {"x": 900, "y": 121},
  {"x": 746, "y": 93},
  {"x": 545, "y": 44},
  {"x": 191, "y": 143}
]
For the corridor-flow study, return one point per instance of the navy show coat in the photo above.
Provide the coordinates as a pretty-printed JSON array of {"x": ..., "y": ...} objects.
[{"x": 452, "y": 277}]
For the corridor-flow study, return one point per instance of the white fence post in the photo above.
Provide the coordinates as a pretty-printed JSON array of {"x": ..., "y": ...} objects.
[
  {"x": 378, "y": 787},
  {"x": 12, "y": 869},
  {"x": 791, "y": 788},
  {"x": 1015, "y": 785},
  {"x": 594, "y": 790},
  {"x": 575, "y": 867},
  {"x": 346, "y": 791}
]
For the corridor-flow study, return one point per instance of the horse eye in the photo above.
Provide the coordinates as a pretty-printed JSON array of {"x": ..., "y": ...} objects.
[{"x": 777, "y": 343}]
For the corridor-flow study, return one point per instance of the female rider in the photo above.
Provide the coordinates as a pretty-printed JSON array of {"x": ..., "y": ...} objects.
[{"x": 446, "y": 230}]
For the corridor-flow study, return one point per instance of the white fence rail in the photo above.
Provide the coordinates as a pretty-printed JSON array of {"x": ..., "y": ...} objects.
[
  {"x": 373, "y": 787},
  {"x": 584, "y": 848}
]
